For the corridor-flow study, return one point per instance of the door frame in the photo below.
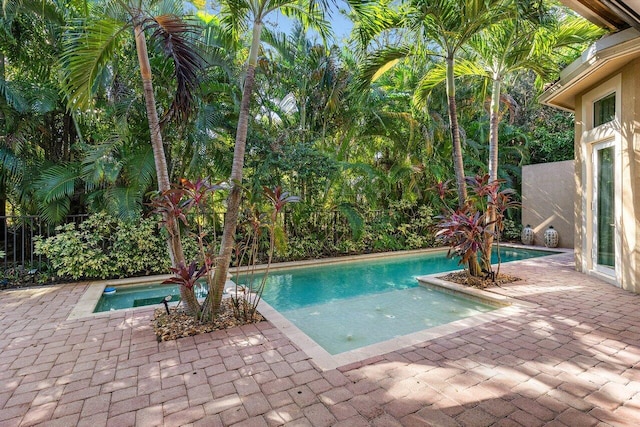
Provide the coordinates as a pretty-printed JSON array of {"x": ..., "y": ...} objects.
[{"x": 590, "y": 138}]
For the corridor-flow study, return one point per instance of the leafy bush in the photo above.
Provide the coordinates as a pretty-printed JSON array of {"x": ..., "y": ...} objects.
[
  {"x": 405, "y": 225},
  {"x": 512, "y": 230},
  {"x": 105, "y": 247},
  {"x": 471, "y": 230}
]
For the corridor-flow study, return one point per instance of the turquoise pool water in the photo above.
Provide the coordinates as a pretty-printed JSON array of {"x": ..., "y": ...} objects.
[
  {"x": 142, "y": 295},
  {"x": 300, "y": 287},
  {"x": 348, "y": 305}
]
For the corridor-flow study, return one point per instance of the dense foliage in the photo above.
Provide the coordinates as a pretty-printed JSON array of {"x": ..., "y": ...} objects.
[
  {"x": 358, "y": 128},
  {"x": 105, "y": 247}
]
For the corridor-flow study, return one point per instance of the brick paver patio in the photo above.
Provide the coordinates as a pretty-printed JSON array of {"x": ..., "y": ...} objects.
[{"x": 573, "y": 360}]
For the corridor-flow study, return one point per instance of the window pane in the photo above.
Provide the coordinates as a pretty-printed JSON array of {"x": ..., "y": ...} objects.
[
  {"x": 606, "y": 210},
  {"x": 604, "y": 110}
]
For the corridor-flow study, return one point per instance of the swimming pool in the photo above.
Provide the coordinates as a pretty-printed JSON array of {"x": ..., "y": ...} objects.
[
  {"x": 296, "y": 288},
  {"x": 287, "y": 289},
  {"x": 347, "y": 306},
  {"x": 340, "y": 311}
]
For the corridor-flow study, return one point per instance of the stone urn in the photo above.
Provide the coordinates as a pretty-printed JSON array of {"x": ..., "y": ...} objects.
[
  {"x": 551, "y": 237},
  {"x": 527, "y": 235}
]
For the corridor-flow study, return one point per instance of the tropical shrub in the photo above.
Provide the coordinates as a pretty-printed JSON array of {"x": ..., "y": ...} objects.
[
  {"x": 470, "y": 230},
  {"x": 404, "y": 225},
  {"x": 258, "y": 234},
  {"x": 105, "y": 247},
  {"x": 512, "y": 230}
]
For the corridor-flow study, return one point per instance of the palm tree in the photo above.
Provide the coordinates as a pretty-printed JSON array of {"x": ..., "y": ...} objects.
[
  {"x": 449, "y": 25},
  {"x": 513, "y": 46},
  {"x": 237, "y": 15},
  {"x": 504, "y": 50},
  {"x": 91, "y": 44},
  {"x": 436, "y": 29}
]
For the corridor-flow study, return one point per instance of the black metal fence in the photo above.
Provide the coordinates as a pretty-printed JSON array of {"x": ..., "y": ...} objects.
[
  {"x": 17, "y": 238},
  {"x": 17, "y": 233}
]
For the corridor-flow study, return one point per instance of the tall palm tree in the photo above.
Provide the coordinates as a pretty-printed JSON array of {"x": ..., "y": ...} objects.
[
  {"x": 504, "y": 50},
  {"x": 237, "y": 17},
  {"x": 91, "y": 44},
  {"x": 437, "y": 29},
  {"x": 448, "y": 25},
  {"x": 513, "y": 46}
]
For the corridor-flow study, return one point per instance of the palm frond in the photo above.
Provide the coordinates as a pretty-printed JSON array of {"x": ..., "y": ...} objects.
[
  {"x": 101, "y": 164},
  {"x": 140, "y": 168},
  {"x": 372, "y": 18},
  {"x": 11, "y": 166},
  {"x": 88, "y": 47},
  {"x": 13, "y": 96},
  {"x": 378, "y": 62},
  {"x": 234, "y": 15},
  {"x": 55, "y": 211},
  {"x": 124, "y": 203},
  {"x": 58, "y": 182},
  {"x": 43, "y": 99},
  {"x": 355, "y": 220},
  {"x": 279, "y": 42},
  {"x": 167, "y": 7},
  {"x": 575, "y": 31},
  {"x": 434, "y": 77},
  {"x": 177, "y": 38},
  {"x": 311, "y": 17}
]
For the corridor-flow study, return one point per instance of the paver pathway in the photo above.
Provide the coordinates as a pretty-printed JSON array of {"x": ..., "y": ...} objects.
[{"x": 573, "y": 360}]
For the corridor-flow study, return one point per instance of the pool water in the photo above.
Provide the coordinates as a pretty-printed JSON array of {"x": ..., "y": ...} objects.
[
  {"x": 349, "y": 305},
  {"x": 300, "y": 287},
  {"x": 142, "y": 295},
  {"x": 345, "y": 306},
  {"x": 288, "y": 290},
  {"x": 347, "y": 324}
]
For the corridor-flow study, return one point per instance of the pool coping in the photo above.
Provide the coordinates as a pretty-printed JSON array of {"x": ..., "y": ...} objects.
[{"x": 89, "y": 300}]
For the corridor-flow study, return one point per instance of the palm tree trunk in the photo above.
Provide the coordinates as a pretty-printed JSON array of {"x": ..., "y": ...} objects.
[
  {"x": 494, "y": 123},
  {"x": 175, "y": 245},
  {"x": 458, "y": 163},
  {"x": 235, "y": 195}
]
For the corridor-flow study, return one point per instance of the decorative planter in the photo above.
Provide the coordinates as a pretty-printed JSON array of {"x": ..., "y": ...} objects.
[
  {"x": 527, "y": 235},
  {"x": 551, "y": 237}
]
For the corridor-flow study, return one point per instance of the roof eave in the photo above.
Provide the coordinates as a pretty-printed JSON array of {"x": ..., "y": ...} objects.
[{"x": 600, "y": 60}]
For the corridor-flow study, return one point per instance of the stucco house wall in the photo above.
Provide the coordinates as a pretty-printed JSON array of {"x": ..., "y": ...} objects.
[
  {"x": 628, "y": 175},
  {"x": 548, "y": 199}
]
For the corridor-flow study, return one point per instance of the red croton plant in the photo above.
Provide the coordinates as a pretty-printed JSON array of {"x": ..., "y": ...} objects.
[
  {"x": 191, "y": 204},
  {"x": 471, "y": 230}
]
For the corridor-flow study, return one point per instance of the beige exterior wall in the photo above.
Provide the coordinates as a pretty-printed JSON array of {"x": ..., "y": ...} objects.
[
  {"x": 630, "y": 226},
  {"x": 625, "y": 132},
  {"x": 547, "y": 199},
  {"x": 579, "y": 166}
]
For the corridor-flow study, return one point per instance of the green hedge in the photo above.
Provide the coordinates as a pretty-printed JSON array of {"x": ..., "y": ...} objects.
[{"x": 104, "y": 247}]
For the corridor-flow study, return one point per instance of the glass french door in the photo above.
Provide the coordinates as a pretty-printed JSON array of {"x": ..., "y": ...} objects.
[{"x": 604, "y": 224}]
